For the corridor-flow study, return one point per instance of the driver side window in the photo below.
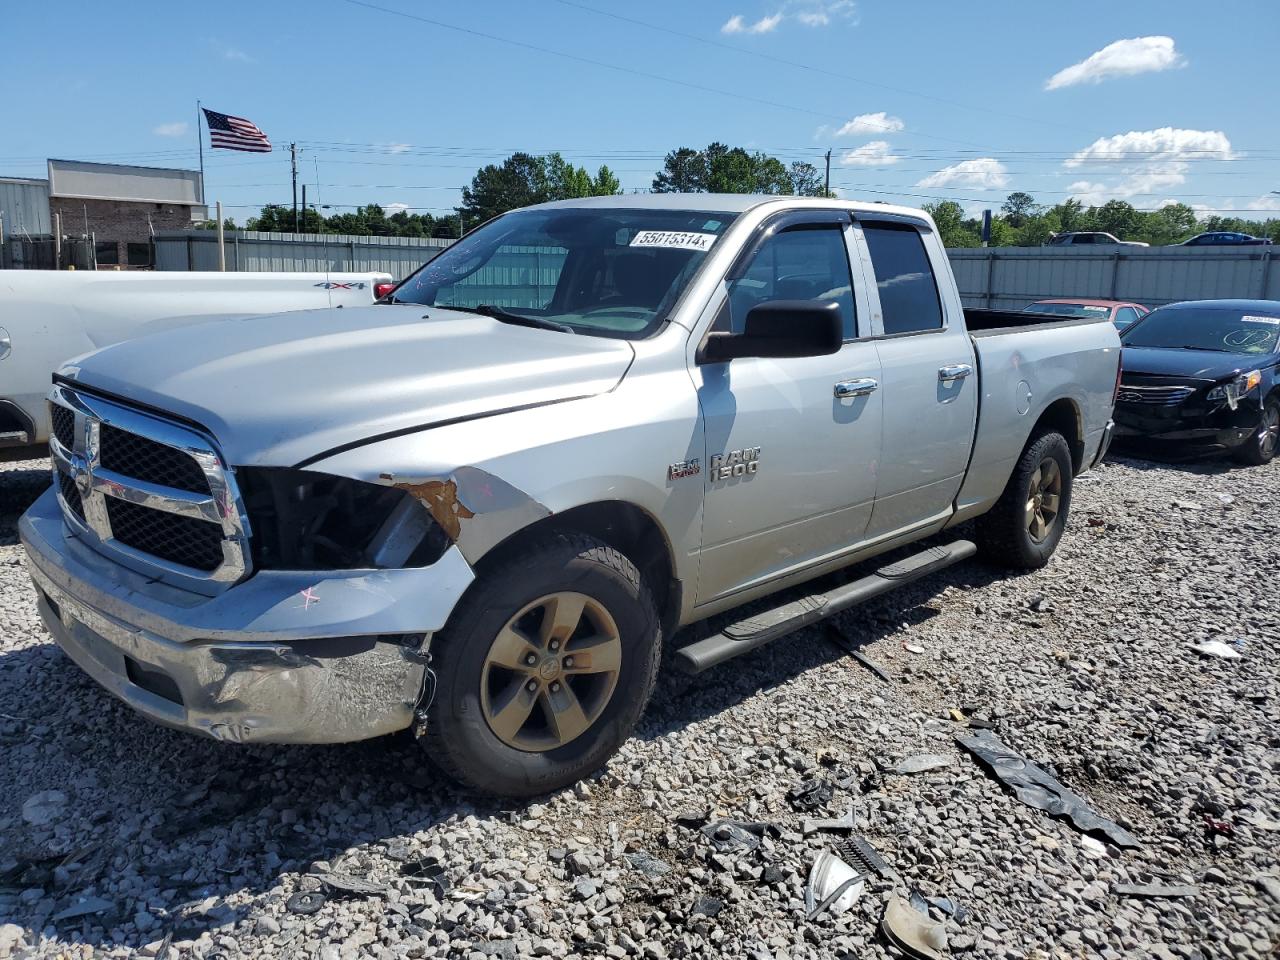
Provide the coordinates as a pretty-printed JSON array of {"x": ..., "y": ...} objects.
[{"x": 797, "y": 264}]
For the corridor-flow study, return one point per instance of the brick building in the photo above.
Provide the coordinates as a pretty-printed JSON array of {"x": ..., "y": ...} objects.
[{"x": 117, "y": 207}]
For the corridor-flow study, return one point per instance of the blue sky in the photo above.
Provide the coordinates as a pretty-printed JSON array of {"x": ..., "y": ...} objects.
[{"x": 1148, "y": 101}]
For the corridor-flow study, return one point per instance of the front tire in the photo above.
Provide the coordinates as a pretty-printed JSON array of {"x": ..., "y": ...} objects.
[
  {"x": 1262, "y": 446},
  {"x": 1024, "y": 527},
  {"x": 544, "y": 669}
]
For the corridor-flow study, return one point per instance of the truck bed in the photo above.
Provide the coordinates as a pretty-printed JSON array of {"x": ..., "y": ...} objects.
[{"x": 982, "y": 322}]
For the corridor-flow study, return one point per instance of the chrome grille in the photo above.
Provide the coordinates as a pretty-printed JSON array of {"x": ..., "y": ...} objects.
[
  {"x": 1159, "y": 395},
  {"x": 153, "y": 493},
  {"x": 143, "y": 459}
]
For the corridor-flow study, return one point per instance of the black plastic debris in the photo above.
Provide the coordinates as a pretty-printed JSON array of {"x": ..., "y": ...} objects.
[
  {"x": 1155, "y": 890},
  {"x": 811, "y": 794},
  {"x": 427, "y": 870},
  {"x": 707, "y": 907},
  {"x": 841, "y": 640},
  {"x": 84, "y": 908},
  {"x": 730, "y": 835},
  {"x": 1036, "y": 788},
  {"x": 347, "y": 884},
  {"x": 956, "y": 911},
  {"x": 306, "y": 902},
  {"x": 693, "y": 819},
  {"x": 859, "y": 854}
]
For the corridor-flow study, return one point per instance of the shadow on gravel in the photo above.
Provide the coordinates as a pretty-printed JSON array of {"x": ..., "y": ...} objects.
[
  {"x": 19, "y": 489},
  {"x": 1146, "y": 456}
]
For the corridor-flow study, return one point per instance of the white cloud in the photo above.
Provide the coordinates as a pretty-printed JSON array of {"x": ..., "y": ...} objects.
[
  {"x": 1148, "y": 162},
  {"x": 231, "y": 53},
  {"x": 736, "y": 24},
  {"x": 1165, "y": 143},
  {"x": 822, "y": 14},
  {"x": 982, "y": 172},
  {"x": 176, "y": 129},
  {"x": 392, "y": 208},
  {"x": 871, "y": 123},
  {"x": 873, "y": 154},
  {"x": 397, "y": 147},
  {"x": 1120, "y": 59}
]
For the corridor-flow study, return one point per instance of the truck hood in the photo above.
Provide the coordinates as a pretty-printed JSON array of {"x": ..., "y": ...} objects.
[
  {"x": 1190, "y": 364},
  {"x": 280, "y": 389}
]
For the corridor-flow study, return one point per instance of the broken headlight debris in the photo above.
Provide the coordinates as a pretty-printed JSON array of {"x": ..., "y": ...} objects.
[
  {"x": 305, "y": 520},
  {"x": 1232, "y": 391}
]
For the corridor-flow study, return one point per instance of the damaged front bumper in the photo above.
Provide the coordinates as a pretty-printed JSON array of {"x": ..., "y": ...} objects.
[
  {"x": 283, "y": 657},
  {"x": 1195, "y": 425}
]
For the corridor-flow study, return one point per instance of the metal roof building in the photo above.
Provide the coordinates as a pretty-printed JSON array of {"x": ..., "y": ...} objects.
[{"x": 24, "y": 206}]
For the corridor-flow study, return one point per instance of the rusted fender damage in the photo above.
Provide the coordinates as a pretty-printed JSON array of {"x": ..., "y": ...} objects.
[{"x": 474, "y": 508}]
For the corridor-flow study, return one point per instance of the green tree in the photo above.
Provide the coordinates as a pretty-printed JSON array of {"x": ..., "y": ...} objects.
[
  {"x": 722, "y": 169},
  {"x": 1017, "y": 208},
  {"x": 519, "y": 181},
  {"x": 606, "y": 183},
  {"x": 1069, "y": 215},
  {"x": 952, "y": 228},
  {"x": 1116, "y": 217},
  {"x": 683, "y": 171},
  {"x": 278, "y": 218},
  {"x": 806, "y": 181}
]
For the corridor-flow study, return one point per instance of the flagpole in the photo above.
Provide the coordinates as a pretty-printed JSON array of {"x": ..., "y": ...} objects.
[{"x": 200, "y": 143}]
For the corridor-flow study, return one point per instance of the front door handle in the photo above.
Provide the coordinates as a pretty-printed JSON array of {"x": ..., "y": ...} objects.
[
  {"x": 856, "y": 388},
  {"x": 954, "y": 371}
]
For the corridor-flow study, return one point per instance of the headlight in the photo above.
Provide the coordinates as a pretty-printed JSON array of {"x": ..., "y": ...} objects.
[
  {"x": 1233, "y": 390},
  {"x": 305, "y": 520}
]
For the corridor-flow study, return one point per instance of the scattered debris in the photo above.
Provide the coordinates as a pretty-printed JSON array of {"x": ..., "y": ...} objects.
[
  {"x": 859, "y": 854},
  {"x": 41, "y": 809},
  {"x": 727, "y": 835},
  {"x": 648, "y": 864},
  {"x": 427, "y": 870},
  {"x": 1038, "y": 604},
  {"x": 956, "y": 911},
  {"x": 306, "y": 902},
  {"x": 1153, "y": 890},
  {"x": 84, "y": 908},
  {"x": 344, "y": 883},
  {"x": 913, "y": 932},
  {"x": 1214, "y": 825},
  {"x": 1093, "y": 848},
  {"x": 811, "y": 794},
  {"x": 1186, "y": 505},
  {"x": 922, "y": 763},
  {"x": 841, "y": 640},
  {"x": 1035, "y": 787},
  {"x": 1217, "y": 648},
  {"x": 833, "y": 885},
  {"x": 912, "y": 647},
  {"x": 841, "y": 823}
]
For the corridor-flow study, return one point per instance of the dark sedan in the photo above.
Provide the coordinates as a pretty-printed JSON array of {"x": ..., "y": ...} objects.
[
  {"x": 1204, "y": 373},
  {"x": 1219, "y": 238}
]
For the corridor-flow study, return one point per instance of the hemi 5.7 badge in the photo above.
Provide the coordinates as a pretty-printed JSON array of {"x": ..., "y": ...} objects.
[{"x": 685, "y": 468}]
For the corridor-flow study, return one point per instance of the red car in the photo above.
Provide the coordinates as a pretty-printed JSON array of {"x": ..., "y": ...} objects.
[{"x": 1121, "y": 312}]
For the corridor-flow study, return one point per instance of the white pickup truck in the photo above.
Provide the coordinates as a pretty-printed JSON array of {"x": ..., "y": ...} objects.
[
  {"x": 48, "y": 317},
  {"x": 479, "y": 507}
]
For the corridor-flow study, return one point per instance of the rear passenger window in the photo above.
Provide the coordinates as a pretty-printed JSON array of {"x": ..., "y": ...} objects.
[
  {"x": 908, "y": 291},
  {"x": 798, "y": 264}
]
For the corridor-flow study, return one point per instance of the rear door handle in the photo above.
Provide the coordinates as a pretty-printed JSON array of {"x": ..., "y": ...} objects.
[
  {"x": 954, "y": 371},
  {"x": 856, "y": 388}
]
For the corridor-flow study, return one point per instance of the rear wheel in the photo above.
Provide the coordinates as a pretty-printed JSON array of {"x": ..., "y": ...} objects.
[
  {"x": 544, "y": 669},
  {"x": 1024, "y": 527},
  {"x": 1262, "y": 446}
]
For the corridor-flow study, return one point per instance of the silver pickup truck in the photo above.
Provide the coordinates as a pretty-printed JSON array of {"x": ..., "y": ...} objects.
[{"x": 478, "y": 507}]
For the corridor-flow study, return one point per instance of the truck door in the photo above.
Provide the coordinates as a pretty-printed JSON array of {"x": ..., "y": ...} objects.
[
  {"x": 792, "y": 445},
  {"x": 930, "y": 378}
]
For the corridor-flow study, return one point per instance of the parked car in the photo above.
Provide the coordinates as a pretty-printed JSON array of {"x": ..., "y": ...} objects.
[
  {"x": 1091, "y": 238},
  {"x": 1204, "y": 374},
  {"x": 1222, "y": 237},
  {"x": 48, "y": 317},
  {"x": 479, "y": 507},
  {"x": 1121, "y": 313}
]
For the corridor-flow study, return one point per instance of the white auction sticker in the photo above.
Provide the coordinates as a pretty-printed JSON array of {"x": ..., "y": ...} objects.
[
  {"x": 1273, "y": 321},
  {"x": 673, "y": 240}
]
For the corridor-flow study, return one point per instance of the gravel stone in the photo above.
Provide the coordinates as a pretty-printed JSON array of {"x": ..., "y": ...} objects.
[{"x": 1086, "y": 667}]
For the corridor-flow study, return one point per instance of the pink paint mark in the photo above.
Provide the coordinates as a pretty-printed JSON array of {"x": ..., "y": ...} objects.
[{"x": 309, "y": 597}]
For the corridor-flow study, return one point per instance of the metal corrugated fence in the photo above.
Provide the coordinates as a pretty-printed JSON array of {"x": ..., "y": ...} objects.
[
  {"x": 1012, "y": 277},
  {"x": 251, "y": 250}
]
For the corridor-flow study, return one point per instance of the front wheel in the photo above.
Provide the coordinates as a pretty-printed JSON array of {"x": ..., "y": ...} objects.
[
  {"x": 1023, "y": 528},
  {"x": 1262, "y": 446},
  {"x": 544, "y": 668}
]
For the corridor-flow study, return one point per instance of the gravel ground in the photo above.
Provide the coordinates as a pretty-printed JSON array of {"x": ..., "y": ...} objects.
[{"x": 1086, "y": 667}]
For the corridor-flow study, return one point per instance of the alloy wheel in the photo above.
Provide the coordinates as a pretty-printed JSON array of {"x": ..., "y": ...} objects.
[
  {"x": 550, "y": 672},
  {"x": 1044, "y": 499},
  {"x": 1269, "y": 432}
]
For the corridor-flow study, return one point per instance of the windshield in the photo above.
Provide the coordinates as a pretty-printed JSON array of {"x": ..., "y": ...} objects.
[
  {"x": 1069, "y": 309},
  {"x": 1207, "y": 328},
  {"x": 614, "y": 273}
]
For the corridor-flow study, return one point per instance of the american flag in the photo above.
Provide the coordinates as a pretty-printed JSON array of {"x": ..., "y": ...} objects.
[{"x": 235, "y": 133}]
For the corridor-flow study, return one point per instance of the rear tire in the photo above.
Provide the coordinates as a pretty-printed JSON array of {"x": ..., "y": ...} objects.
[
  {"x": 1261, "y": 447},
  {"x": 544, "y": 668},
  {"x": 1024, "y": 527}
]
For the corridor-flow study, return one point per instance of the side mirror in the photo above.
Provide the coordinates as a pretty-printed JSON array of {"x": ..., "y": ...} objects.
[{"x": 781, "y": 328}]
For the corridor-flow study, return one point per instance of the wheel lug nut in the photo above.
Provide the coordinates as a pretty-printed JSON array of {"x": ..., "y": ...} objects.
[
  {"x": 531, "y": 686},
  {"x": 555, "y": 688},
  {"x": 531, "y": 659},
  {"x": 568, "y": 661},
  {"x": 554, "y": 645}
]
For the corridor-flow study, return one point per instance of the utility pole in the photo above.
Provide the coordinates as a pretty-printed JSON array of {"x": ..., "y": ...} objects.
[
  {"x": 828, "y": 186},
  {"x": 304, "y": 203},
  {"x": 293, "y": 162}
]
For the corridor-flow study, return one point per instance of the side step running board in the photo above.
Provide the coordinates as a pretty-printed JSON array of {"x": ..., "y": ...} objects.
[{"x": 745, "y": 635}]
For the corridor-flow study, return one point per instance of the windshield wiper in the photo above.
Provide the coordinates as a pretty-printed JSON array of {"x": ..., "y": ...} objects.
[
  {"x": 1192, "y": 346},
  {"x": 503, "y": 315}
]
